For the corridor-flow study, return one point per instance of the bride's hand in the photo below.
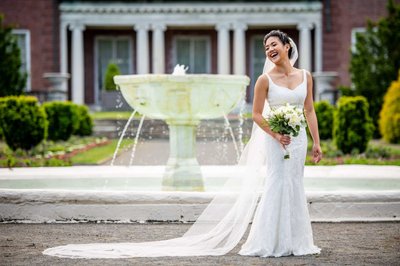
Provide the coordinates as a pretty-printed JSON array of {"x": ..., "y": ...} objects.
[
  {"x": 282, "y": 139},
  {"x": 317, "y": 153}
]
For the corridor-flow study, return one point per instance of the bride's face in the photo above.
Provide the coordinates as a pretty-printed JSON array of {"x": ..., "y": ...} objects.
[{"x": 275, "y": 50}]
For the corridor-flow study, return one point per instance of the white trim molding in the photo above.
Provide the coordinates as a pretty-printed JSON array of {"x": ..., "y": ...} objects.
[{"x": 28, "y": 54}]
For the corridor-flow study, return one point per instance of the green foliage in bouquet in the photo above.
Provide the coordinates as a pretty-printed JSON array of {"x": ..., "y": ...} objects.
[
  {"x": 286, "y": 120},
  {"x": 324, "y": 111},
  {"x": 63, "y": 119},
  {"x": 389, "y": 122},
  {"x": 112, "y": 70},
  {"x": 22, "y": 121},
  {"x": 352, "y": 128}
]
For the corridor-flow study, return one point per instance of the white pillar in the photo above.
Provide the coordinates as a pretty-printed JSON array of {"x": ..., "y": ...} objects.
[
  {"x": 63, "y": 52},
  {"x": 142, "y": 48},
  {"x": 305, "y": 45},
  {"x": 158, "y": 49},
  {"x": 223, "y": 48},
  {"x": 63, "y": 47},
  {"x": 318, "y": 47},
  {"x": 239, "y": 43},
  {"x": 78, "y": 84}
]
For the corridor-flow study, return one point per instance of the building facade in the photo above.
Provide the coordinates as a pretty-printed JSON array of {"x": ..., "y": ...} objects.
[{"x": 223, "y": 37}]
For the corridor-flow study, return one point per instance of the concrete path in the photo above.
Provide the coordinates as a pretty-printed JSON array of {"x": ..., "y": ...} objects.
[
  {"x": 156, "y": 152},
  {"x": 341, "y": 244}
]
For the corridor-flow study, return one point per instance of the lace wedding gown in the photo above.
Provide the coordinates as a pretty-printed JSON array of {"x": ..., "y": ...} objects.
[{"x": 281, "y": 224}]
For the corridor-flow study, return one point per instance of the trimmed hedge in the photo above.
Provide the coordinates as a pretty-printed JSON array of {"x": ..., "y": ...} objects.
[
  {"x": 23, "y": 122},
  {"x": 111, "y": 71},
  {"x": 63, "y": 119},
  {"x": 353, "y": 127},
  {"x": 389, "y": 116},
  {"x": 85, "y": 121},
  {"x": 324, "y": 111}
]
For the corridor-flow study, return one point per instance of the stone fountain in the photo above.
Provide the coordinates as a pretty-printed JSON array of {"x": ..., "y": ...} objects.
[{"x": 182, "y": 101}]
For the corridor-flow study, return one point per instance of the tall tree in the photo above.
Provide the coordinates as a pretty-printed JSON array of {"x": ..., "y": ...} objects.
[
  {"x": 375, "y": 60},
  {"x": 12, "y": 81}
]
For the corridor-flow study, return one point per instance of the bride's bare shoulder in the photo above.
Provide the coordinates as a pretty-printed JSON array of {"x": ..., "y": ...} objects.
[{"x": 262, "y": 79}]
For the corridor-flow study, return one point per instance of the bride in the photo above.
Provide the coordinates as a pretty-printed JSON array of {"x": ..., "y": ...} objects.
[{"x": 280, "y": 219}]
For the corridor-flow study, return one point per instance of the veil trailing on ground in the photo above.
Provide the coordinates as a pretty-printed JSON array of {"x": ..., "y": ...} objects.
[{"x": 220, "y": 226}]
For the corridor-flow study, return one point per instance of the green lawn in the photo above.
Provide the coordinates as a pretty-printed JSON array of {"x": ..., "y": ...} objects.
[
  {"x": 101, "y": 154},
  {"x": 112, "y": 115}
]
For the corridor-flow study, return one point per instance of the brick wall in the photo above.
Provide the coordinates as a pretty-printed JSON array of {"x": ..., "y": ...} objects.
[
  {"x": 41, "y": 18},
  {"x": 346, "y": 15}
]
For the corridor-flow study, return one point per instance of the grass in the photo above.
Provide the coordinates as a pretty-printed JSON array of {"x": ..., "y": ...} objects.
[
  {"x": 377, "y": 153},
  {"x": 113, "y": 115},
  {"x": 101, "y": 154},
  {"x": 62, "y": 153}
]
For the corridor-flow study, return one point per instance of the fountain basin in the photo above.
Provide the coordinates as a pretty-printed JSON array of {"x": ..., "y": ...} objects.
[
  {"x": 182, "y": 98},
  {"x": 134, "y": 194}
]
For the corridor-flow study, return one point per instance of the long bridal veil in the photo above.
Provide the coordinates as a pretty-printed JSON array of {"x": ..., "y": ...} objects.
[{"x": 217, "y": 230}]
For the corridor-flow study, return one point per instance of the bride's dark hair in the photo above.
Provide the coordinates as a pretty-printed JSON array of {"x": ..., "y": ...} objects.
[{"x": 283, "y": 37}]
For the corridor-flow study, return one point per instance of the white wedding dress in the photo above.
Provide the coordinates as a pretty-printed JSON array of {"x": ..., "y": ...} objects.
[{"x": 281, "y": 224}]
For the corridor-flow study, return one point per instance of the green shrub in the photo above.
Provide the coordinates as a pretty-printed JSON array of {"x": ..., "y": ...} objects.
[
  {"x": 389, "y": 117},
  {"x": 63, "y": 119},
  {"x": 112, "y": 70},
  {"x": 85, "y": 121},
  {"x": 346, "y": 91},
  {"x": 352, "y": 127},
  {"x": 324, "y": 111},
  {"x": 22, "y": 121},
  {"x": 12, "y": 79}
]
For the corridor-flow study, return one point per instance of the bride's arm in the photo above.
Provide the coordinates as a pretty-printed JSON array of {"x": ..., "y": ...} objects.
[
  {"x": 260, "y": 94},
  {"x": 312, "y": 120}
]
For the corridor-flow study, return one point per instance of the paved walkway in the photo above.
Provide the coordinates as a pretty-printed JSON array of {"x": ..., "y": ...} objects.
[
  {"x": 341, "y": 243},
  {"x": 156, "y": 152}
]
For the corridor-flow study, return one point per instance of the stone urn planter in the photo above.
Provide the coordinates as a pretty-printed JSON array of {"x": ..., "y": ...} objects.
[{"x": 58, "y": 86}]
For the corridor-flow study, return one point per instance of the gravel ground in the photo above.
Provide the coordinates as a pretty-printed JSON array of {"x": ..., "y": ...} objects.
[{"x": 342, "y": 244}]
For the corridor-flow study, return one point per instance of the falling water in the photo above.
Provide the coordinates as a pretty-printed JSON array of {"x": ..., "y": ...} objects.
[
  {"x": 136, "y": 140},
  {"x": 122, "y": 136},
  {"x": 228, "y": 125},
  {"x": 240, "y": 128}
]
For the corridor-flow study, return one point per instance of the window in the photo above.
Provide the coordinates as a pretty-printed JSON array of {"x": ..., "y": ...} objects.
[
  {"x": 194, "y": 52},
  {"x": 23, "y": 41},
  {"x": 110, "y": 49},
  {"x": 257, "y": 60},
  {"x": 354, "y": 33}
]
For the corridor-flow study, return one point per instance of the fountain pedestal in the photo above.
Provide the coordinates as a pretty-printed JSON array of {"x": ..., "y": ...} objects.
[{"x": 183, "y": 169}]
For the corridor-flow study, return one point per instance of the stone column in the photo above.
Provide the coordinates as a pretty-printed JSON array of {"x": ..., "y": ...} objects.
[
  {"x": 239, "y": 44},
  {"x": 305, "y": 45},
  {"x": 63, "y": 47},
  {"x": 318, "y": 47},
  {"x": 223, "y": 48},
  {"x": 63, "y": 53},
  {"x": 78, "y": 83},
  {"x": 158, "y": 49},
  {"x": 142, "y": 48}
]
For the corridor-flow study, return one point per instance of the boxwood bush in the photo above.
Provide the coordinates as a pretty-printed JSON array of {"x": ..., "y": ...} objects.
[
  {"x": 63, "y": 119},
  {"x": 22, "y": 121},
  {"x": 389, "y": 117},
  {"x": 85, "y": 121},
  {"x": 324, "y": 111},
  {"x": 352, "y": 128}
]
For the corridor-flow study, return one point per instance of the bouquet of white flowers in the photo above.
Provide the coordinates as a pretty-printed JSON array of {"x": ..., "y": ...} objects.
[{"x": 286, "y": 120}]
